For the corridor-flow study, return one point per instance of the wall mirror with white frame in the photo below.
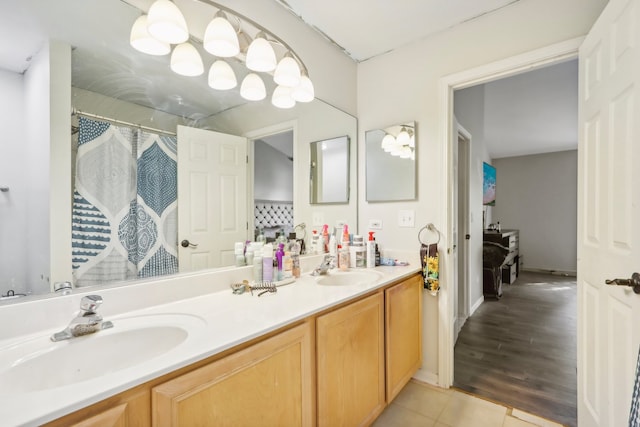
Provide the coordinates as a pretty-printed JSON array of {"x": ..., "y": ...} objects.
[
  {"x": 390, "y": 152},
  {"x": 87, "y": 64},
  {"x": 329, "y": 165}
]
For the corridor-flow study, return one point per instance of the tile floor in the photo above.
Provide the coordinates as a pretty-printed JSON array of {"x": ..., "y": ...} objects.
[{"x": 423, "y": 405}]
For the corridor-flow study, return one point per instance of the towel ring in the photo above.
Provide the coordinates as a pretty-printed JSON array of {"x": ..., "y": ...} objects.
[{"x": 432, "y": 228}]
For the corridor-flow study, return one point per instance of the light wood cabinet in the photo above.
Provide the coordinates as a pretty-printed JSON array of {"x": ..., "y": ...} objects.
[
  {"x": 403, "y": 326},
  {"x": 269, "y": 383},
  {"x": 350, "y": 358}
]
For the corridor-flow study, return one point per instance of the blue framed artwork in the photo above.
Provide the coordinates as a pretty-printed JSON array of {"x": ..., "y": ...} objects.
[{"x": 488, "y": 185}]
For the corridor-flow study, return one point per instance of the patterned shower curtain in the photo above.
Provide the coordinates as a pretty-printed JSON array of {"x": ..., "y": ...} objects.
[{"x": 125, "y": 204}]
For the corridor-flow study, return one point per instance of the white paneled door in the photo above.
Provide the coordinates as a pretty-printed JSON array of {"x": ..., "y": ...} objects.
[
  {"x": 212, "y": 197},
  {"x": 609, "y": 215}
]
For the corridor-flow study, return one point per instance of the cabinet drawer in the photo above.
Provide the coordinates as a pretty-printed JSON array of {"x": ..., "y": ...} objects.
[{"x": 509, "y": 273}]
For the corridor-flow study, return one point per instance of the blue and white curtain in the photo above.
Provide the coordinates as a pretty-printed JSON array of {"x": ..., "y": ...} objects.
[{"x": 125, "y": 204}]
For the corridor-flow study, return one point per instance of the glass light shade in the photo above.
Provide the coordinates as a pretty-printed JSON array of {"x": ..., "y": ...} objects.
[
  {"x": 166, "y": 23},
  {"x": 221, "y": 76},
  {"x": 287, "y": 72},
  {"x": 387, "y": 142},
  {"x": 260, "y": 55},
  {"x": 304, "y": 92},
  {"x": 405, "y": 152},
  {"x": 281, "y": 97},
  {"x": 252, "y": 88},
  {"x": 144, "y": 42},
  {"x": 220, "y": 39},
  {"x": 186, "y": 61},
  {"x": 396, "y": 150},
  {"x": 403, "y": 137}
]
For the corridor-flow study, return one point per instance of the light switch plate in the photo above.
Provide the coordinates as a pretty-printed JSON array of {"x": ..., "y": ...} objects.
[
  {"x": 406, "y": 218},
  {"x": 375, "y": 224}
]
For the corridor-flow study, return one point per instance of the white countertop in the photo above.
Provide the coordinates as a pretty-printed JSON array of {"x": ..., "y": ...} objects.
[{"x": 227, "y": 320}]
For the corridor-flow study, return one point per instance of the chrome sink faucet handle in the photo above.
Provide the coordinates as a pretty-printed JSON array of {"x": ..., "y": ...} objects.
[
  {"x": 325, "y": 265},
  {"x": 89, "y": 304},
  {"x": 87, "y": 321}
]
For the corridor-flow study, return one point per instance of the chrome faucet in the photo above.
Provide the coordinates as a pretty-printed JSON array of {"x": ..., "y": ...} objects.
[
  {"x": 87, "y": 321},
  {"x": 325, "y": 266}
]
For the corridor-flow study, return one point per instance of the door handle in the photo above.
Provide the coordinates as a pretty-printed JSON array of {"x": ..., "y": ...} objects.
[
  {"x": 187, "y": 244},
  {"x": 634, "y": 282}
]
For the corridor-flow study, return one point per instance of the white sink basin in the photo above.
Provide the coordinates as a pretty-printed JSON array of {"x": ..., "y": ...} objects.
[
  {"x": 347, "y": 278},
  {"x": 40, "y": 364}
]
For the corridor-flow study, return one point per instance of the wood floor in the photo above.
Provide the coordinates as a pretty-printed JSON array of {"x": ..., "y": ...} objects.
[{"x": 521, "y": 350}]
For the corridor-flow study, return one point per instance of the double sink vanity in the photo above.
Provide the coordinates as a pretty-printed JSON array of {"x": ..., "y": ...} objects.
[{"x": 325, "y": 350}]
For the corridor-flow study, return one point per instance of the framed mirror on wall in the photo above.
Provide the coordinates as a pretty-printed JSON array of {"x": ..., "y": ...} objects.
[
  {"x": 391, "y": 151},
  {"x": 329, "y": 167}
]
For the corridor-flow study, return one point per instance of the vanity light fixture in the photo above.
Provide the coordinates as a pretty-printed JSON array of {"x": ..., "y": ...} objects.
[
  {"x": 165, "y": 26},
  {"x": 403, "y": 137},
  {"x": 186, "y": 61},
  {"x": 388, "y": 142},
  {"x": 402, "y": 145}
]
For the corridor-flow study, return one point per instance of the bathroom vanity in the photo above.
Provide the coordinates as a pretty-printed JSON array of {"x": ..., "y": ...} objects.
[{"x": 313, "y": 353}]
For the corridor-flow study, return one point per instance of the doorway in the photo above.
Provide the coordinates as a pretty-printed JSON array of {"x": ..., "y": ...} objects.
[{"x": 462, "y": 164}]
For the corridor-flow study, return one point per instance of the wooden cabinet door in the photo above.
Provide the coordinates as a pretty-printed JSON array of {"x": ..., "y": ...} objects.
[
  {"x": 350, "y": 357},
  {"x": 266, "y": 384},
  {"x": 403, "y": 324}
]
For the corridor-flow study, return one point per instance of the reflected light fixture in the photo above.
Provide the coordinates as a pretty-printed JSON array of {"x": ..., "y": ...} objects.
[
  {"x": 145, "y": 42},
  {"x": 221, "y": 76},
  {"x": 166, "y": 23},
  {"x": 387, "y": 142},
  {"x": 252, "y": 88},
  {"x": 186, "y": 61},
  {"x": 220, "y": 38},
  {"x": 403, "y": 137},
  {"x": 165, "y": 26}
]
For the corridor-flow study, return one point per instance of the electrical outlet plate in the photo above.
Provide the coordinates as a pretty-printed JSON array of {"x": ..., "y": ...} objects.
[
  {"x": 406, "y": 218},
  {"x": 317, "y": 219},
  {"x": 375, "y": 224}
]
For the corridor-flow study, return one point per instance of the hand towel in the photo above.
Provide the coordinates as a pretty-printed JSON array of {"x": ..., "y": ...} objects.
[
  {"x": 430, "y": 267},
  {"x": 634, "y": 420}
]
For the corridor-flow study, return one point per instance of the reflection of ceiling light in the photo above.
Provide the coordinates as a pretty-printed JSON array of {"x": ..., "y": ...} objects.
[
  {"x": 166, "y": 26},
  {"x": 220, "y": 39},
  {"x": 287, "y": 72},
  {"x": 221, "y": 76},
  {"x": 387, "y": 142},
  {"x": 260, "y": 55},
  {"x": 145, "y": 42},
  {"x": 166, "y": 23},
  {"x": 405, "y": 152},
  {"x": 281, "y": 97},
  {"x": 252, "y": 88},
  {"x": 403, "y": 137},
  {"x": 186, "y": 61}
]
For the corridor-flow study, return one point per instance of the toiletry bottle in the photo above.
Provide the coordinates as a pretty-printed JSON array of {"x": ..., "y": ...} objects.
[
  {"x": 239, "y": 252},
  {"x": 371, "y": 251},
  {"x": 333, "y": 246},
  {"x": 260, "y": 238},
  {"x": 248, "y": 254},
  {"x": 295, "y": 258},
  {"x": 345, "y": 234},
  {"x": 280, "y": 261},
  {"x": 314, "y": 242},
  {"x": 287, "y": 263},
  {"x": 358, "y": 242},
  {"x": 325, "y": 239},
  {"x": 377, "y": 252},
  {"x": 257, "y": 263},
  {"x": 343, "y": 258},
  {"x": 267, "y": 263}
]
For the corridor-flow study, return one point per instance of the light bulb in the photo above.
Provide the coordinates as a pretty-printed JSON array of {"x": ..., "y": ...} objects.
[
  {"x": 387, "y": 142},
  {"x": 186, "y": 61},
  {"x": 144, "y": 42},
  {"x": 405, "y": 152},
  {"x": 260, "y": 55},
  {"x": 403, "y": 137},
  {"x": 281, "y": 97},
  {"x": 221, "y": 76},
  {"x": 220, "y": 38},
  {"x": 166, "y": 23},
  {"x": 252, "y": 88},
  {"x": 304, "y": 92},
  {"x": 287, "y": 72}
]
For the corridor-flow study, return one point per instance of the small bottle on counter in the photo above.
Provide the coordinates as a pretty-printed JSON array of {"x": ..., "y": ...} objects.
[
  {"x": 371, "y": 251},
  {"x": 239, "y": 252},
  {"x": 267, "y": 263},
  {"x": 257, "y": 263},
  {"x": 280, "y": 261},
  {"x": 343, "y": 257},
  {"x": 294, "y": 249},
  {"x": 357, "y": 252}
]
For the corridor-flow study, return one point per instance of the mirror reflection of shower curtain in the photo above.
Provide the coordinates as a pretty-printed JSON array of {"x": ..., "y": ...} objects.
[{"x": 124, "y": 204}]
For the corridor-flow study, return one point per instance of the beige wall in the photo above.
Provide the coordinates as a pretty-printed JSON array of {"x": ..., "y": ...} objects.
[{"x": 403, "y": 86}]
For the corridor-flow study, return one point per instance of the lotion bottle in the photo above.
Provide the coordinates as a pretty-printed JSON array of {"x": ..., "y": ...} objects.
[
  {"x": 325, "y": 239},
  {"x": 371, "y": 251},
  {"x": 257, "y": 263},
  {"x": 280, "y": 261},
  {"x": 267, "y": 263}
]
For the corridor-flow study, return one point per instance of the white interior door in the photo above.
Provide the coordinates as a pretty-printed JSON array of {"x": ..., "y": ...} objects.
[
  {"x": 609, "y": 208},
  {"x": 453, "y": 220},
  {"x": 212, "y": 203}
]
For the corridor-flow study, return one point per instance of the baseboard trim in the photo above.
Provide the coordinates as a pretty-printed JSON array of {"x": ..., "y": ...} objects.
[
  {"x": 548, "y": 271},
  {"x": 426, "y": 377},
  {"x": 477, "y": 304}
]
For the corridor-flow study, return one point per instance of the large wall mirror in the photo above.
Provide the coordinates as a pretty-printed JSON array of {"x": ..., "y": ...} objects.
[
  {"x": 390, "y": 151},
  {"x": 329, "y": 171},
  {"x": 93, "y": 70}
]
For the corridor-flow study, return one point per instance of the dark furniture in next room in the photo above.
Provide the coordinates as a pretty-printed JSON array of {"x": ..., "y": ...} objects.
[{"x": 499, "y": 245}]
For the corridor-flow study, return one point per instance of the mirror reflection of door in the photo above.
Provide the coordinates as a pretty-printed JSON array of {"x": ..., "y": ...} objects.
[
  {"x": 273, "y": 184},
  {"x": 212, "y": 182}
]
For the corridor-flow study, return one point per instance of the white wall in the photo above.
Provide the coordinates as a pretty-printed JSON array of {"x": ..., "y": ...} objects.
[
  {"x": 13, "y": 174},
  {"x": 469, "y": 111},
  {"x": 389, "y": 93},
  {"x": 273, "y": 176},
  {"x": 537, "y": 195}
]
